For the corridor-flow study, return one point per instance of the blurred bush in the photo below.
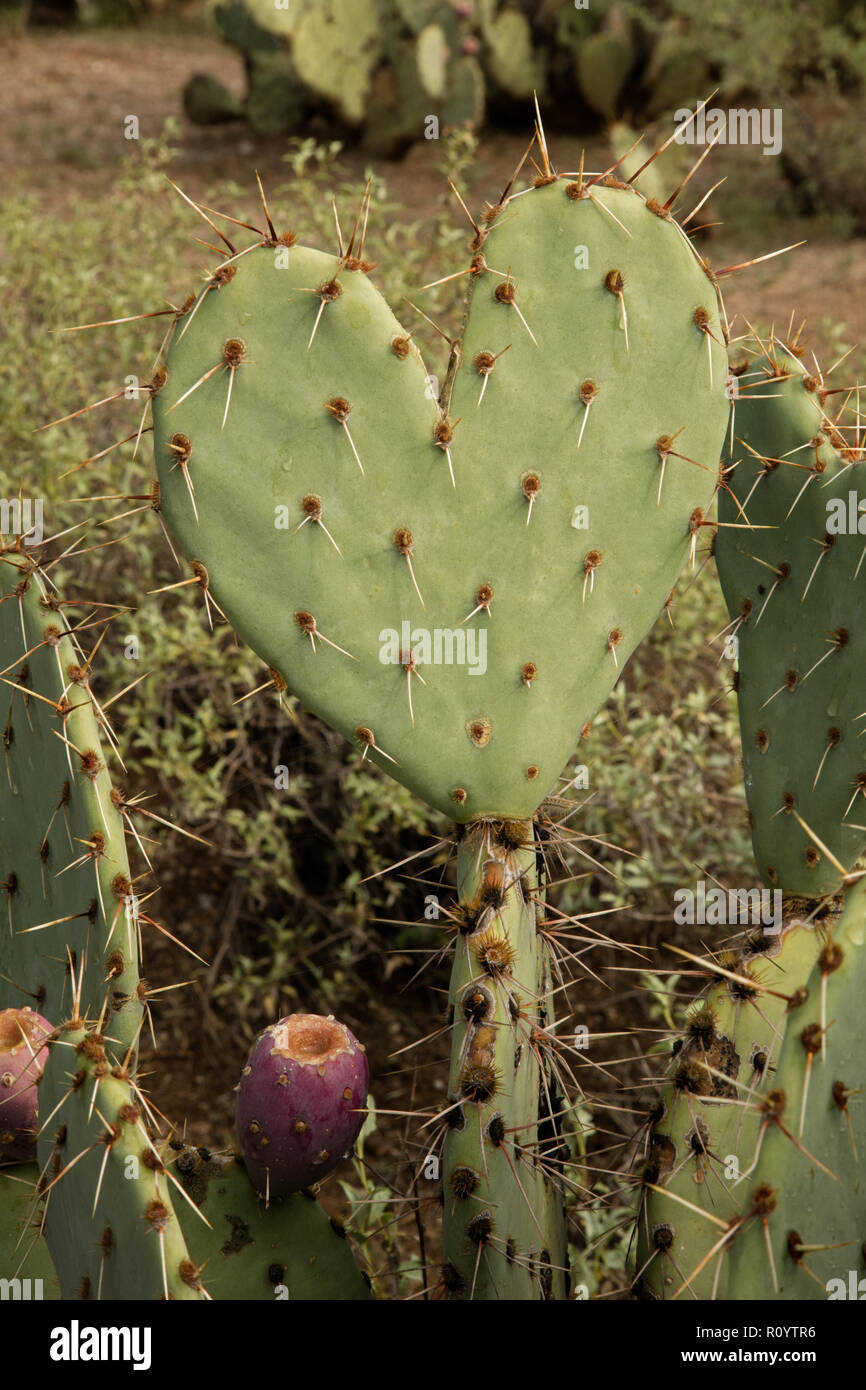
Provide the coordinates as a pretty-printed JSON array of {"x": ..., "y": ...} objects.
[{"x": 380, "y": 71}]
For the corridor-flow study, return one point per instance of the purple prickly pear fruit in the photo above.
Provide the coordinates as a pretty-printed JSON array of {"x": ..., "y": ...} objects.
[
  {"x": 22, "y": 1056},
  {"x": 301, "y": 1102}
]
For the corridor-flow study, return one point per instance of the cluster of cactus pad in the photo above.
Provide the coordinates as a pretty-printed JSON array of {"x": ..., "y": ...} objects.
[
  {"x": 458, "y": 583},
  {"x": 386, "y": 66}
]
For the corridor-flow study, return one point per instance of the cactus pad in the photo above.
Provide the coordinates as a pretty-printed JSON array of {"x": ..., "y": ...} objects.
[
  {"x": 757, "y": 1149},
  {"x": 795, "y": 586},
  {"x": 287, "y": 1249},
  {"x": 454, "y": 585},
  {"x": 63, "y": 861}
]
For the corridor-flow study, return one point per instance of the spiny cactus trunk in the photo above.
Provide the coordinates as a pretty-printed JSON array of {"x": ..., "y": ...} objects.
[{"x": 504, "y": 1220}]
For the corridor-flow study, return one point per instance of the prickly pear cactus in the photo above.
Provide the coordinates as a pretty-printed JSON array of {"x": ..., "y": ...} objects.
[
  {"x": 440, "y": 581},
  {"x": 63, "y": 862},
  {"x": 455, "y": 583},
  {"x": 791, "y": 555},
  {"x": 751, "y": 1179},
  {"x": 750, "y": 1186},
  {"x": 453, "y": 579}
]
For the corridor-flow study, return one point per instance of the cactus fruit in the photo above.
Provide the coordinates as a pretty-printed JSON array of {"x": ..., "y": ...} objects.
[
  {"x": 63, "y": 862},
  {"x": 795, "y": 587},
  {"x": 287, "y": 1249},
  {"x": 301, "y": 1102},
  {"x": 342, "y": 542},
  {"x": 22, "y": 1055}
]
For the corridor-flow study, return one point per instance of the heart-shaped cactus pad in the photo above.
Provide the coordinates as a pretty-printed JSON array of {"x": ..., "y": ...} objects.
[{"x": 454, "y": 583}]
